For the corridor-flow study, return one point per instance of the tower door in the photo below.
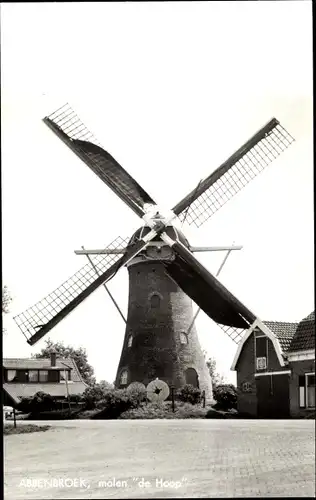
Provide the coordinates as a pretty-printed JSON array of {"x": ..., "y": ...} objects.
[{"x": 191, "y": 377}]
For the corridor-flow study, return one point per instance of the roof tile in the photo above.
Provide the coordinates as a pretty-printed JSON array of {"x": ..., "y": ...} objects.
[
  {"x": 283, "y": 331},
  {"x": 304, "y": 338}
]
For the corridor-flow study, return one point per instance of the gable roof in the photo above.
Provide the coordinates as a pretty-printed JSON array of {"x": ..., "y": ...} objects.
[
  {"x": 304, "y": 338},
  {"x": 43, "y": 364},
  {"x": 286, "y": 337},
  {"x": 283, "y": 331},
  {"x": 268, "y": 332}
]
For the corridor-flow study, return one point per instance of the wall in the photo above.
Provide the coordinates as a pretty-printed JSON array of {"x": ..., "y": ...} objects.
[
  {"x": 247, "y": 401},
  {"x": 299, "y": 368},
  {"x": 246, "y": 369},
  {"x": 156, "y": 350}
]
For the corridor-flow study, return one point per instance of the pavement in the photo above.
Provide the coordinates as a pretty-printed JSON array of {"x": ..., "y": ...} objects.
[{"x": 162, "y": 459}]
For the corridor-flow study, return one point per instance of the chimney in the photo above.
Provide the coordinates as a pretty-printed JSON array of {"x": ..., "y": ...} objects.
[{"x": 53, "y": 359}]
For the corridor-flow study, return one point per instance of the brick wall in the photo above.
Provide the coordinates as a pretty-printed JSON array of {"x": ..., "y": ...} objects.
[
  {"x": 299, "y": 368},
  {"x": 156, "y": 349},
  {"x": 247, "y": 400}
]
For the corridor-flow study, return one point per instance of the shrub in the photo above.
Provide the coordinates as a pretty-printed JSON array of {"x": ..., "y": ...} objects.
[
  {"x": 147, "y": 411},
  {"x": 54, "y": 415},
  {"x": 41, "y": 401},
  {"x": 75, "y": 398},
  {"x": 138, "y": 394},
  {"x": 114, "y": 402},
  {"x": 93, "y": 394},
  {"x": 225, "y": 396},
  {"x": 164, "y": 411},
  {"x": 214, "y": 414},
  {"x": 189, "y": 394}
]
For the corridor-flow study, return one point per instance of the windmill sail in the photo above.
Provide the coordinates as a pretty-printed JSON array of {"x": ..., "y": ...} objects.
[
  {"x": 235, "y": 173},
  {"x": 68, "y": 127},
  {"x": 206, "y": 291}
]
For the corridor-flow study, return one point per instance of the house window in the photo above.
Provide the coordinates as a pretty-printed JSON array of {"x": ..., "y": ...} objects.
[
  {"x": 123, "y": 378},
  {"x": 53, "y": 376},
  {"x": 21, "y": 376},
  {"x": 43, "y": 375},
  {"x": 130, "y": 341},
  {"x": 307, "y": 390},
  {"x": 310, "y": 390},
  {"x": 10, "y": 375},
  {"x": 183, "y": 338},
  {"x": 33, "y": 375},
  {"x": 261, "y": 352}
]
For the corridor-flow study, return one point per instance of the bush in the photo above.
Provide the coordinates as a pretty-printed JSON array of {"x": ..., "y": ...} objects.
[
  {"x": 93, "y": 394},
  {"x": 114, "y": 402},
  {"x": 54, "y": 415},
  {"x": 214, "y": 414},
  {"x": 163, "y": 410},
  {"x": 41, "y": 401},
  {"x": 189, "y": 394},
  {"x": 137, "y": 394},
  {"x": 225, "y": 396},
  {"x": 147, "y": 411}
]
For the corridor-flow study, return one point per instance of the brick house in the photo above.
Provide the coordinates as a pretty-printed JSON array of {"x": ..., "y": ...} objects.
[
  {"x": 276, "y": 370},
  {"x": 24, "y": 377}
]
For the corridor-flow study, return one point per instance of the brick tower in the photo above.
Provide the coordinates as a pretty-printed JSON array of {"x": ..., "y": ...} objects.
[{"x": 156, "y": 341}]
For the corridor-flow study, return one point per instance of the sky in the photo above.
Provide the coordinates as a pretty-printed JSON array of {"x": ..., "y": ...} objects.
[{"x": 170, "y": 90}]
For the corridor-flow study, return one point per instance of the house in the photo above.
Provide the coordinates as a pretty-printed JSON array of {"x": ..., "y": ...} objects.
[
  {"x": 24, "y": 377},
  {"x": 275, "y": 366}
]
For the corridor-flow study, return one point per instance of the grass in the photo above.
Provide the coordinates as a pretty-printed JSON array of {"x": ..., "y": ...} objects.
[{"x": 9, "y": 429}]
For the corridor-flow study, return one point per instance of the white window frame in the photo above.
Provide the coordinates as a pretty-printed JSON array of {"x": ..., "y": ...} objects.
[
  {"x": 266, "y": 364},
  {"x": 306, "y": 392},
  {"x": 124, "y": 373},
  {"x": 184, "y": 336}
]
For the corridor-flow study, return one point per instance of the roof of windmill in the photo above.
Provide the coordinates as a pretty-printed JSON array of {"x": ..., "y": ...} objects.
[{"x": 172, "y": 231}]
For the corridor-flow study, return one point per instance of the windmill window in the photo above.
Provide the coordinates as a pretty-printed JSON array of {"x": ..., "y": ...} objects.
[
  {"x": 123, "y": 378},
  {"x": 130, "y": 341},
  {"x": 183, "y": 338},
  {"x": 155, "y": 301}
]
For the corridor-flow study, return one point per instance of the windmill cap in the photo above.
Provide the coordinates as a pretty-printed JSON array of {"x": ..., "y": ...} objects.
[{"x": 172, "y": 231}]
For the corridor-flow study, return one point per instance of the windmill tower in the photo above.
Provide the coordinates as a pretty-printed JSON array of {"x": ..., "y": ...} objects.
[
  {"x": 164, "y": 275},
  {"x": 157, "y": 341}
]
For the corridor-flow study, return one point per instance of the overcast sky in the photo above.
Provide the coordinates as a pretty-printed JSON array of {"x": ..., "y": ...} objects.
[{"x": 170, "y": 90}]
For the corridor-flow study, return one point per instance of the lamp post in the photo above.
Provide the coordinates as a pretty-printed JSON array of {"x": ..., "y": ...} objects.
[{"x": 66, "y": 382}]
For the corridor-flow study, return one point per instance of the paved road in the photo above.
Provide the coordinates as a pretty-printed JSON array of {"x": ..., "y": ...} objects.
[{"x": 162, "y": 459}]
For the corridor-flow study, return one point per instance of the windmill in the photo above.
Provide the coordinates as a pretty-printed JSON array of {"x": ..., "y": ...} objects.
[{"x": 164, "y": 276}]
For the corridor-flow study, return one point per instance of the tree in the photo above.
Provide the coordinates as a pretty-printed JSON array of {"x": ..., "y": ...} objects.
[
  {"x": 79, "y": 355},
  {"x": 6, "y": 299},
  {"x": 217, "y": 379}
]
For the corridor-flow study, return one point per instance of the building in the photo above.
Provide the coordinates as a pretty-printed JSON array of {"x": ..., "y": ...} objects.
[
  {"x": 25, "y": 377},
  {"x": 276, "y": 370}
]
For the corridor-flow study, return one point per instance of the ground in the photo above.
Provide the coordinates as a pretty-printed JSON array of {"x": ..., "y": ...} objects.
[{"x": 162, "y": 459}]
